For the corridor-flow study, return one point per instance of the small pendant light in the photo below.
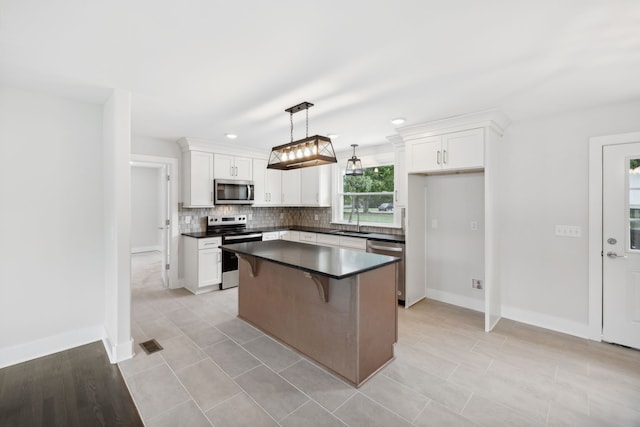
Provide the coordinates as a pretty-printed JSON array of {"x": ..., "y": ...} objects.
[{"x": 354, "y": 165}]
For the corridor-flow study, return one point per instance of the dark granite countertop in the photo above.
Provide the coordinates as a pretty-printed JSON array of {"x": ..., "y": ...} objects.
[
  {"x": 201, "y": 234},
  {"x": 399, "y": 238},
  {"x": 336, "y": 263}
]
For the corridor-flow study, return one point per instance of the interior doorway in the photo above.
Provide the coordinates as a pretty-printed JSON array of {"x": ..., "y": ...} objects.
[
  {"x": 155, "y": 219},
  {"x": 150, "y": 211},
  {"x": 614, "y": 253}
]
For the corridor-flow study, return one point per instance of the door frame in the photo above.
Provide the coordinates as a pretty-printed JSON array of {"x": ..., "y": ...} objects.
[
  {"x": 171, "y": 165},
  {"x": 596, "y": 146}
]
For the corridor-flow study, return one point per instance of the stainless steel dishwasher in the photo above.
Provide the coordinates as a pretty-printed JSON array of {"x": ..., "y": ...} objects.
[{"x": 395, "y": 249}]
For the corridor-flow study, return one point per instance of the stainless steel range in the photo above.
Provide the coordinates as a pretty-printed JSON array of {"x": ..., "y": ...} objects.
[{"x": 233, "y": 229}]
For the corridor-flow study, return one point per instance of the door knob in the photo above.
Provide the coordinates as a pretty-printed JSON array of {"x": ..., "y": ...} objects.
[{"x": 615, "y": 255}]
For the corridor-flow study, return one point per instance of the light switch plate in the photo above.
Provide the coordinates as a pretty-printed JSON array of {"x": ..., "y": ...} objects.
[{"x": 568, "y": 231}]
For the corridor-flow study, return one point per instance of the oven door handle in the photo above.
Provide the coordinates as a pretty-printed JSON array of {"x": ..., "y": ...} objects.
[
  {"x": 246, "y": 236},
  {"x": 385, "y": 248}
]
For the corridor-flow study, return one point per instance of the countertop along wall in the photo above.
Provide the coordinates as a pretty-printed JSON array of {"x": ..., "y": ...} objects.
[{"x": 543, "y": 174}]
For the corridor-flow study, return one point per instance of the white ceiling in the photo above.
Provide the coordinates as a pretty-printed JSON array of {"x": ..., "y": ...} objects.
[{"x": 203, "y": 68}]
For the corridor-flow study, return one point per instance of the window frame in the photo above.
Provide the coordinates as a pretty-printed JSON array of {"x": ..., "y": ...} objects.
[{"x": 368, "y": 161}]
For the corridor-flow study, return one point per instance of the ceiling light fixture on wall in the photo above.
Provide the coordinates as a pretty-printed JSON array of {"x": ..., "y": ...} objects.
[
  {"x": 354, "y": 165},
  {"x": 398, "y": 121},
  {"x": 311, "y": 151}
]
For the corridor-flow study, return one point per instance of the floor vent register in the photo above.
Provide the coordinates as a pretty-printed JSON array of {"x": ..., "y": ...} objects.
[{"x": 151, "y": 346}]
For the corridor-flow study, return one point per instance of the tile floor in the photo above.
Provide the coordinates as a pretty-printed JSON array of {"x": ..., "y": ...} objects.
[{"x": 217, "y": 370}]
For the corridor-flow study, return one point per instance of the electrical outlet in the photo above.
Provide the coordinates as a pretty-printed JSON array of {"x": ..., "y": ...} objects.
[
  {"x": 250, "y": 216},
  {"x": 187, "y": 219},
  {"x": 476, "y": 284},
  {"x": 315, "y": 217},
  {"x": 281, "y": 215},
  {"x": 474, "y": 225}
]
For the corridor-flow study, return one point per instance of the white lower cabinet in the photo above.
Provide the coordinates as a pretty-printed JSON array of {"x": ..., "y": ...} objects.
[
  {"x": 202, "y": 264},
  {"x": 270, "y": 235},
  {"x": 327, "y": 240},
  {"x": 290, "y": 235},
  {"x": 306, "y": 237},
  {"x": 355, "y": 243}
]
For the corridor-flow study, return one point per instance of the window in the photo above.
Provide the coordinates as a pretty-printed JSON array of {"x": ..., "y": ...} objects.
[
  {"x": 634, "y": 204},
  {"x": 366, "y": 199}
]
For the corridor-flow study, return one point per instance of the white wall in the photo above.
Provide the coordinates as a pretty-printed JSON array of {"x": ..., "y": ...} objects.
[
  {"x": 455, "y": 252},
  {"x": 155, "y": 147},
  {"x": 542, "y": 169},
  {"x": 145, "y": 209},
  {"x": 51, "y": 215}
]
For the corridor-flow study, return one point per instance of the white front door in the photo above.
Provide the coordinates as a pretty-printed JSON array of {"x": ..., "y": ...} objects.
[{"x": 621, "y": 244}]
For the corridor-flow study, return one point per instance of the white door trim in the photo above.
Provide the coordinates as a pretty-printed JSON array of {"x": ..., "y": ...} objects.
[
  {"x": 174, "y": 196},
  {"x": 596, "y": 145}
]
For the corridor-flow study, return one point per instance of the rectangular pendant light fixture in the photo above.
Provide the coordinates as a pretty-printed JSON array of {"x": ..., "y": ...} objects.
[{"x": 310, "y": 151}]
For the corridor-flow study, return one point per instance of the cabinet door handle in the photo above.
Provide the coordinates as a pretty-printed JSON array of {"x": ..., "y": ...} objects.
[
  {"x": 212, "y": 197},
  {"x": 444, "y": 157},
  {"x": 438, "y": 157},
  {"x": 396, "y": 195}
]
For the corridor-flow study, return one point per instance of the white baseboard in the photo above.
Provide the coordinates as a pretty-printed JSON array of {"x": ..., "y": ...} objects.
[
  {"x": 141, "y": 249},
  {"x": 120, "y": 352},
  {"x": 49, "y": 345},
  {"x": 546, "y": 321},
  {"x": 455, "y": 299}
]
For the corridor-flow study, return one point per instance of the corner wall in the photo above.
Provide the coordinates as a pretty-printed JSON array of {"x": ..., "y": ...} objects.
[
  {"x": 117, "y": 225},
  {"x": 51, "y": 215}
]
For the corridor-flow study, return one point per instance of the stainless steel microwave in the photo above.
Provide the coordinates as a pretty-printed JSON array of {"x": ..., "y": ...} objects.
[{"x": 232, "y": 192}]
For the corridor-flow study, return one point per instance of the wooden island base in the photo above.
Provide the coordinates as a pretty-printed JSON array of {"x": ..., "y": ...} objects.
[{"x": 348, "y": 326}]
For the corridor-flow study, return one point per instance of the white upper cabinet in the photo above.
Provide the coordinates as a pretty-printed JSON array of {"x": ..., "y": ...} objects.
[
  {"x": 315, "y": 186},
  {"x": 232, "y": 167},
  {"x": 463, "y": 150},
  {"x": 291, "y": 187},
  {"x": 267, "y": 184},
  {"x": 453, "y": 151},
  {"x": 197, "y": 179}
]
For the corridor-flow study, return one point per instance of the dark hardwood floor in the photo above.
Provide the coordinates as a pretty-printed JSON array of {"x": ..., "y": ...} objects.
[{"x": 77, "y": 387}]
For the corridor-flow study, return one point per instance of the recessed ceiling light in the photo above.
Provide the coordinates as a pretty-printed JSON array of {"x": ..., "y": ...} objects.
[
  {"x": 398, "y": 121},
  {"x": 231, "y": 135}
]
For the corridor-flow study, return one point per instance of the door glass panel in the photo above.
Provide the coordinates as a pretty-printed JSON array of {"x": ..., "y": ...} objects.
[{"x": 634, "y": 204}]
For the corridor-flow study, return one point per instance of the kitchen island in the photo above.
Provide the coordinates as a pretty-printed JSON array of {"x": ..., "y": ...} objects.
[{"x": 336, "y": 306}]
